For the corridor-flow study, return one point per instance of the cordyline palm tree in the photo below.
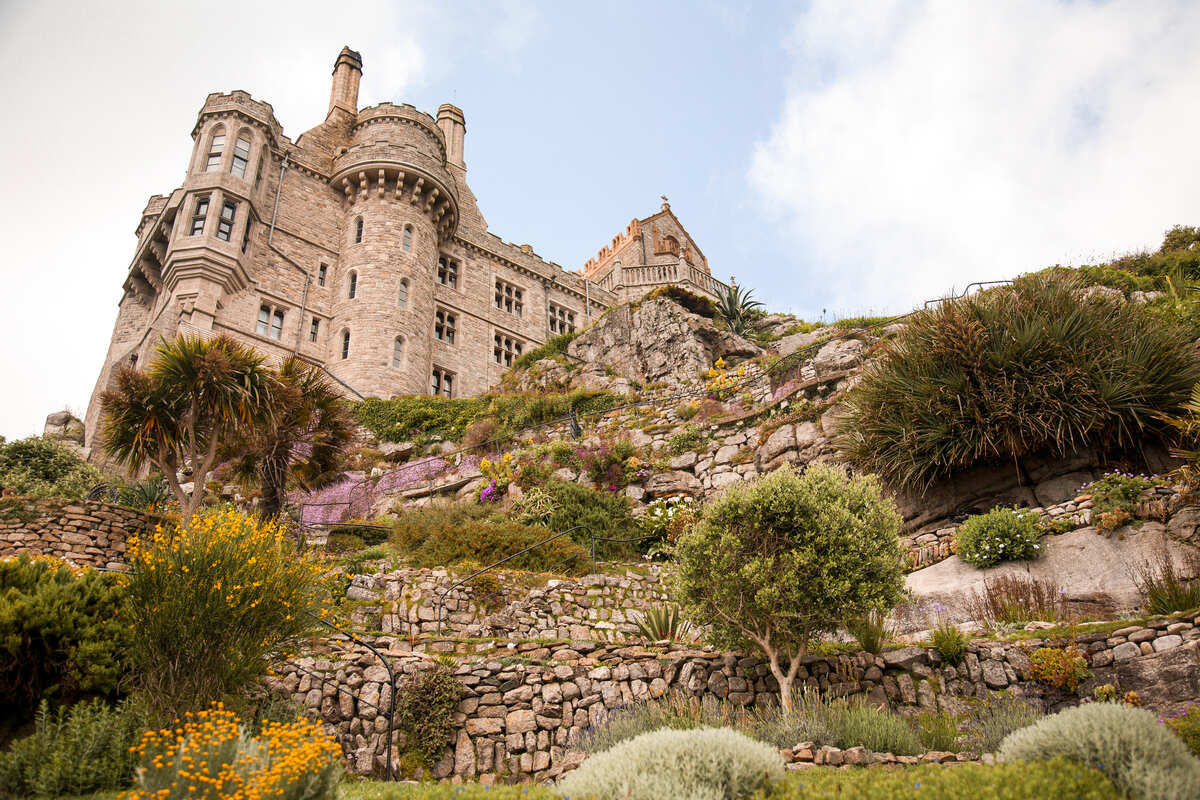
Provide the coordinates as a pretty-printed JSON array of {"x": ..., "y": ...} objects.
[
  {"x": 305, "y": 437},
  {"x": 195, "y": 399},
  {"x": 734, "y": 305}
]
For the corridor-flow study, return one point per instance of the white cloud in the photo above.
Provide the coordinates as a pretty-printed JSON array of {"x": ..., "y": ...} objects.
[{"x": 924, "y": 145}]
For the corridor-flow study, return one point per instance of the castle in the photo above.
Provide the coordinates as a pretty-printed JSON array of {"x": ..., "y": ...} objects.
[{"x": 360, "y": 248}]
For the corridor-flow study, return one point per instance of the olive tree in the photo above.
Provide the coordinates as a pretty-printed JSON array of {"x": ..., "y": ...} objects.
[{"x": 776, "y": 561}]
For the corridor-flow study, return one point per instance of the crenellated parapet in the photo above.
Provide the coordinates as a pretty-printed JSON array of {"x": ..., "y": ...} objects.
[{"x": 240, "y": 105}]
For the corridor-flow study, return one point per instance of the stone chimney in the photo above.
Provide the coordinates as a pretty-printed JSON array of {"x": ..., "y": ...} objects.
[
  {"x": 347, "y": 71},
  {"x": 454, "y": 127}
]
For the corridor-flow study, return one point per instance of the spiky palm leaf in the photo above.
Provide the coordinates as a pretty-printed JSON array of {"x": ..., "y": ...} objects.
[
  {"x": 734, "y": 305},
  {"x": 304, "y": 437},
  {"x": 196, "y": 397}
]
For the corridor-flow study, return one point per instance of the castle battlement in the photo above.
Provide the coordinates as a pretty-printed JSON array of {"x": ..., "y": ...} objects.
[{"x": 360, "y": 248}]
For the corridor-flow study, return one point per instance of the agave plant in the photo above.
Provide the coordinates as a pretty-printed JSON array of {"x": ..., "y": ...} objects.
[
  {"x": 663, "y": 623},
  {"x": 735, "y": 306}
]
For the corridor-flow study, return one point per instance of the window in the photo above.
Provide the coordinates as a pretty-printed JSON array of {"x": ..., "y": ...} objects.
[
  {"x": 506, "y": 350},
  {"x": 314, "y": 329},
  {"x": 448, "y": 273},
  {"x": 258, "y": 174},
  {"x": 407, "y": 238},
  {"x": 398, "y": 352},
  {"x": 225, "y": 223},
  {"x": 403, "y": 293},
  {"x": 345, "y": 344},
  {"x": 443, "y": 326},
  {"x": 509, "y": 298},
  {"x": 246, "y": 237},
  {"x": 322, "y": 272},
  {"x": 241, "y": 157},
  {"x": 357, "y": 230},
  {"x": 562, "y": 320},
  {"x": 214, "y": 151},
  {"x": 353, "y": 288},
  {"x": 199, "y": 216},
  {"x": 442, "y": 383},
  {"x": 270, "y": 322}
]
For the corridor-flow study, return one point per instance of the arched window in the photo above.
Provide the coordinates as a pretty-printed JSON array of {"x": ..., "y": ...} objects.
[
  {"x": 345, "y": 344},
  {"x": 215, "y": 148},
  {"x": 353, "y": 288},
  {"x": 357, "y": 230},
  {"x": 408, "y": 233},
  {"x": 398, "y": 352},
  {"x": 241, "y": 155},
  {"x": 404, "y": 292}
]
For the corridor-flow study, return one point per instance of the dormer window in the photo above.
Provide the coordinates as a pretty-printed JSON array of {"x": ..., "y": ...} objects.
[
  {"x": 241, "y": 157},
  {"x": 215, "y": 148}
]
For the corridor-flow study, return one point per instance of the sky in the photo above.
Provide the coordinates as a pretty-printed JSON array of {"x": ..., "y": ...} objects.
[{"x": 838, "y": 158}]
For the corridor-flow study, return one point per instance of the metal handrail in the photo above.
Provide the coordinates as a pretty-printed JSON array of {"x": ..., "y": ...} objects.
[{"x": 391, "y": 690}]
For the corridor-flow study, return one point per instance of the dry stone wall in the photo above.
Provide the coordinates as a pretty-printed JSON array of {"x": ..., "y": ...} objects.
[
  {"x": 526, "y": 706},
  {"x": 405, "y": 602},
  {"x": 84, "y": 533}
]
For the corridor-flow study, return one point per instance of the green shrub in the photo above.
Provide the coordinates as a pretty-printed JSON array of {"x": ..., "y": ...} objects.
[
  {"x": 1058, "y": 778},
  {"x": 604, "y": 513},
  {"x": 62, "y": 634},
  {"x": 1164, "y": 590},
  {"x": 1127, "y": 744},
  {"x": 213, "y": 604},
  {"x": 685, "y": 411},
  {"x": 857, "y": 724},
  {"x": 425, "y": 706},
  {"x": 555, "y": 345},
  {"x": 38, "y": 467},
  {"x": 996, "y": 716},
  {"x": 937, "y": 730},
  {"x": 1114, "y": 497},
  {"x": 421, "y": 417},
  {"x": 1186, "y": 724},
  {"x": 871, "y": 630},
  {"x": 706, "y": 764},
  {"x": 1011, "y": 372},
  {"x": 445, "y": 534},
  {"x": 84, "y": 748},
  {"x": 689, "y": 438},
  {"x": 949, "y": 641},
  {"x": 1058, "y": 667},
  {"x": 1002, "y": 534}
]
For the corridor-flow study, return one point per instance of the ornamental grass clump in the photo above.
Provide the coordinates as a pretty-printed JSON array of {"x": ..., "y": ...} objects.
[
  {"x": 704, "y": 764},
  {"x": 1033, "y": 368},
  {"x": 1002, "y": 534},
  {"x": 209, "y": 754},
  {"x": 213, "y": 603},
  {"x": 1141, "y": 757}
]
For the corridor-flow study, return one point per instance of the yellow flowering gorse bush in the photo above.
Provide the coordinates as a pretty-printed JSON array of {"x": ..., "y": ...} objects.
[
  {"x": 209, "y": 755},
  {"x": 214, "y": 602}
]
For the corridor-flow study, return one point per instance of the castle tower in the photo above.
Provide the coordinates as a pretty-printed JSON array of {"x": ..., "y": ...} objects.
[
  {"x": 400, "y": 206},
  {"x": 347, "y": 72}
]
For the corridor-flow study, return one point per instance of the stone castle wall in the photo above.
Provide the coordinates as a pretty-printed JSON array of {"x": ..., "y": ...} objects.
[
  {"x": 84, "y": 533},
  {"x": 527, "y": 705}
]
